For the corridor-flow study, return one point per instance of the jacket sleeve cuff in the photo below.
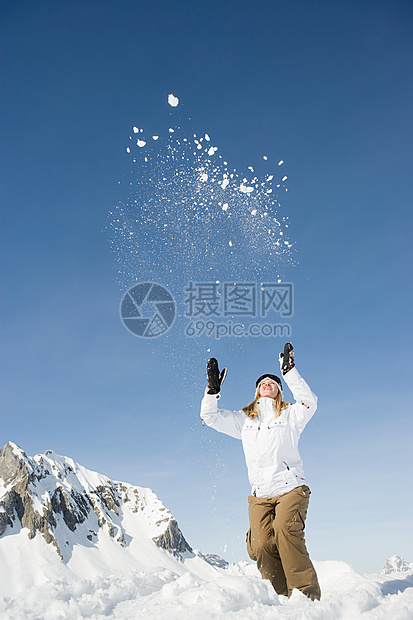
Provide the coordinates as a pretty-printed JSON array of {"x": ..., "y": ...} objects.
[
  {"x": 210, "y": 397},
  {"x": 291, "y": 375},
  {"x": 209, "y": 404}
]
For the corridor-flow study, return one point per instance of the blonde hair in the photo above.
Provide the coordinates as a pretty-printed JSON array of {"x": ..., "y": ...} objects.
[{"x": 251, "y": 410}]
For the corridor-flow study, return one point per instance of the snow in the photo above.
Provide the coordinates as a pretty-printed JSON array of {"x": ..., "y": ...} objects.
[
  {"x": 67, "y": 473},
  {"x": 237, "y": 592},
  {"x": 166, "y": 187},
  {"x": 245, "y": 189},
  {"x": 173, "y": 101}
]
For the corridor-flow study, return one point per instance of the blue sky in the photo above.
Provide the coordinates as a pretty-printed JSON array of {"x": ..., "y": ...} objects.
[{"x": 325, "y": 87}]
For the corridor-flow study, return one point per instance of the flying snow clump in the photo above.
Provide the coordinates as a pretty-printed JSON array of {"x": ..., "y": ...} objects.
[{"x": 173, "y": 101}]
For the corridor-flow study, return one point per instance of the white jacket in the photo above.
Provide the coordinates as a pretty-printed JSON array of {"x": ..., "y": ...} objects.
[{"x": 270, "y": 444}]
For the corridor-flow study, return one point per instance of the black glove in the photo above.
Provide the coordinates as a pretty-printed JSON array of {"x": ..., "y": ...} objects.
[
  {"x": 214, "y": 377},
  {"x": 287, "y": 358}
]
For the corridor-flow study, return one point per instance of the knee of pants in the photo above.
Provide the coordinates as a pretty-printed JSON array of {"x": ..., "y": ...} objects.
[
  {"x": 259, "y": 546},
  {"x": 265, "y": 547}
]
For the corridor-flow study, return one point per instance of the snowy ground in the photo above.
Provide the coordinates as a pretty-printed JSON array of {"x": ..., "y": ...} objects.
[
  {"x": 107, "y": 576},
  {"x": 237, "y": 592}
]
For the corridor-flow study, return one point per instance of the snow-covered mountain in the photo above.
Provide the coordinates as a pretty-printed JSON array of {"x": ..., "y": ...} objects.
[
  {"x": 75, "y": 544},
  {"x": 396, "y": 564},
  {"x": 53, "y": 509},
  {"x": 68, "y": 504}
]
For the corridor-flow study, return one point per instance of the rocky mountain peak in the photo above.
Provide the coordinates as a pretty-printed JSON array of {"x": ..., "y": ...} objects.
[
  {"x": 52, "y": 496},
  {"x": 396, "y": 564},
  {"x": 12, "y": 463}
]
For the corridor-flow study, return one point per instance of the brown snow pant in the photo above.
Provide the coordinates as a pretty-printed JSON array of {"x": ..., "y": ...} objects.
[{"x": 276, "y": 542}]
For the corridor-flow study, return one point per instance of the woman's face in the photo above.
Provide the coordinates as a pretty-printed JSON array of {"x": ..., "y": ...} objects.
[{"x": 269, "y": 388}]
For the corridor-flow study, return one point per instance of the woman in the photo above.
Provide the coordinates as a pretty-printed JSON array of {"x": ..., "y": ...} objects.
[{"x": 270, "y": 429}]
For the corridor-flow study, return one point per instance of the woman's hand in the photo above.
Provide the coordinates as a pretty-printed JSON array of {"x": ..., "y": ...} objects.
[
  {"x": 287, "y": 358},
  {"x": 214, "y": 377}
]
